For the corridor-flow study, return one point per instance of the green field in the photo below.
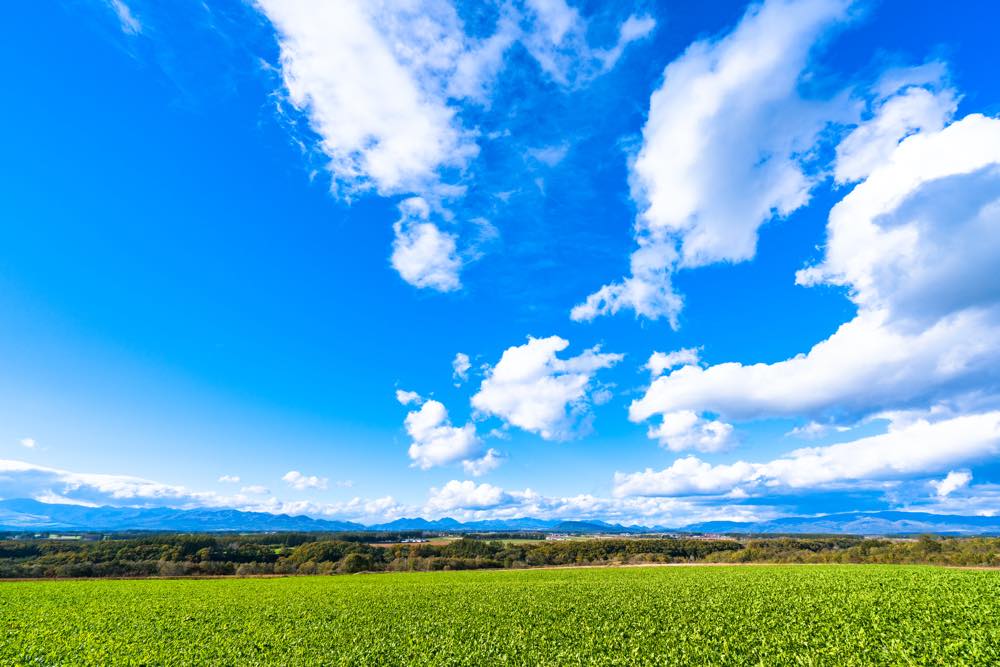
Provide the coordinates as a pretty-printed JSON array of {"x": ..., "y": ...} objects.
[{"x": 778, "y": 615}]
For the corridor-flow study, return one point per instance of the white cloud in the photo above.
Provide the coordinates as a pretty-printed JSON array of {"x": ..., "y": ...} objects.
[
  {"x": 126, "y": 18},
  {"x": 633, "y": 29},
  {"x": 384, "y": 86},
  {"x": 917, "y": 238},
  {"x": 25, "y": 480},
  {"x": 489, "y": 461},
  {"x": 28, "y": 443},
  {"x": 300, "y": 482},
  {"x": 550, "y": 156},
  {"x": 465, "y": 495},
  {"x": 468, "y": 501},
  {"x": 815, "y": 429},
  {"x": 406, "y": 397},
  {"x": 460, "y": 366},
  {"x": 665, "y": 361},
  {"x": 684, "y": 430},
  {"x": 373, "y": 80},
  {"x": 463, "y": 500},
  {"x": 423, "y": 255},
  {"x": 722, "y": 151},
  {"x": 533, "y": 389},
  {"x": 435, "y": 442},
  {"x": 912, "y": 106},
  {"x": 916, "y": 244},
  {"x": 255, "y": 489},
  {"x": 230, "y": 479},
  {"x": 556, "y": 36},
  {"x": 917, "y": 447},
  {"x": 953, "y": 481}
]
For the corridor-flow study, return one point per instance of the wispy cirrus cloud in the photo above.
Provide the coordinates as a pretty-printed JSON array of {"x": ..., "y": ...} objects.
[{"x": 386, "y": 88}]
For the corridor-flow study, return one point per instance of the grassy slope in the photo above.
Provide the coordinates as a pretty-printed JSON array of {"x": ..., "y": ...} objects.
[{"x": 722, "y": 615}]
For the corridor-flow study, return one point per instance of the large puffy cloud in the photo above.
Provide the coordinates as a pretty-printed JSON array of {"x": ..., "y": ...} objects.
[
  {"x": 533, "y": 389},
  {"x": 918, "y": 237},
  {"x": 909, "y": 448},
  {"x": 916, "y": 244},
  {"x": 723, "y": 151},
  {"x": 435, "y": 442}
]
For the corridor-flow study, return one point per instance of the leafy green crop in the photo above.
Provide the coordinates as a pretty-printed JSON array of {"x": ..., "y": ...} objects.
[{"x": 774, "y": 615}]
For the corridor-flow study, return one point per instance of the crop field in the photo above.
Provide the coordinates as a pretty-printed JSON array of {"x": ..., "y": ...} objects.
[{"x": 775, "y": 615}]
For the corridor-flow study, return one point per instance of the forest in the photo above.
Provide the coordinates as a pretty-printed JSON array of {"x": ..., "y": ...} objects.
[{"x": 182, "y": 555}]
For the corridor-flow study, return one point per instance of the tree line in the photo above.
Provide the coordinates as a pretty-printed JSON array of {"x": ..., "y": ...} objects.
[{"x": 178, "y": 555}]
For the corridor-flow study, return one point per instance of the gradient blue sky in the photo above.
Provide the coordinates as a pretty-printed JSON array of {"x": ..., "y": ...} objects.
[{"x": 231, "y": 231}]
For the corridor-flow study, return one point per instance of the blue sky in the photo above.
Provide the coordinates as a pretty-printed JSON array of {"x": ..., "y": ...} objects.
[{"x": 416, "y": 259}]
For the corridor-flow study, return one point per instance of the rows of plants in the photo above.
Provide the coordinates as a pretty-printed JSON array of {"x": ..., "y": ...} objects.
[{"x": 767, "y": 615}]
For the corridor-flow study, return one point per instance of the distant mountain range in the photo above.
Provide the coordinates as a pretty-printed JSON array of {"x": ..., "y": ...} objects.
[
  {"x": 32, "y": 515},
  {"x": 861, "y": 523},
  {"x": 25, "y": 514}
]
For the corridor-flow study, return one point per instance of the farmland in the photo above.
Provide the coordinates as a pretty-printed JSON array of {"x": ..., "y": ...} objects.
[{"x": 799, "y": 614}]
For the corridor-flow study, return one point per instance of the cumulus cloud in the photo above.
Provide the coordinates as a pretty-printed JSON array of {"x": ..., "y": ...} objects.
[
  {"x": 659, "y": 362},
  {"x": 954, "y": 480},
  {"x": 723, "y": 150},
  {"x": 907, "y": 102},
  {"x": 406, "y": 397},
  {"x": 491, "y": 460},
  {"x": 230, "y": 479},
  {"x": 460, "y": 366},
  {"x": 916, "y": 245},
  {"x": 684, "y": 429},
  {"x": 466, "y": 495},
  {"x": 300, "y": 482},
  {"x": 435, "y": 442},
  {"x": 468, "y": 501},
  {"x": 533, "y": 389},
  {"x": 422, "y": 254},
  {"x": 28, "y": 443},
  {"x": 25, "y": 480},
  {"x": 19, "y": 479},
  {"x": 463, "y": 500},
  {"x": 914, "y": 447}
]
